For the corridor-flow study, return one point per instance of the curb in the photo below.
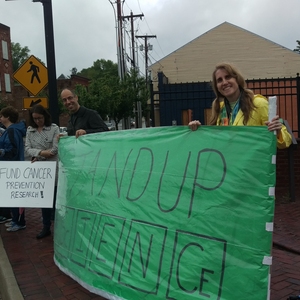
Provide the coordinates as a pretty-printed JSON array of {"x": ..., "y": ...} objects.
[{"x": 8, "y": 285}]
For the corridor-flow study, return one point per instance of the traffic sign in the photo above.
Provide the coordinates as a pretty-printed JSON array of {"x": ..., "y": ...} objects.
[
  {"x": 32, "y": 75},
  {"x": 31, "y": 101}
]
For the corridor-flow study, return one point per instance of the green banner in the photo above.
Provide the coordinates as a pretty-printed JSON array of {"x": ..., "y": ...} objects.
[{"x": 167, "y": 213}]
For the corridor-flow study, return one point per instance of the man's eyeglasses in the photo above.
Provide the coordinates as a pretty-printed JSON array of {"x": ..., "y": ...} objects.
[{"x": 69, "y": 98}]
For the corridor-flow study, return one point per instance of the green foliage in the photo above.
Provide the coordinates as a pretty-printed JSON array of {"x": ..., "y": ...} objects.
[
  {"x": 111, "y": 97},
  {"x": 298, "y": 47},
  {"x": 19, "y": 55},
  {"x": 87, "y": 98},
  {"x": 100, "y": 69}
]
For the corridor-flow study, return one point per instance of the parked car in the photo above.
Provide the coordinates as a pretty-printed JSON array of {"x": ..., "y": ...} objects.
[
  {"x": 110, "y": 126},
  {"x": 132, "y": 123}
]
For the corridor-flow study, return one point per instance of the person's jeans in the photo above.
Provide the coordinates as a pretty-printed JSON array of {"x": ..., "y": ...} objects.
[
  {"x": 46, "y": 214},
  {"x": 18, "y": 218}
]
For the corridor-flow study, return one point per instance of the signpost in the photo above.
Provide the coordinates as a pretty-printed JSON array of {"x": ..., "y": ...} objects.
[
  {"x": 32, "y": 75},
  {"x": 51, "y": 73},
  {"x": 31, "y": 101}
]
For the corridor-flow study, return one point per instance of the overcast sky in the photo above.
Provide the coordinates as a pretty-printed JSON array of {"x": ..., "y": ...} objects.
[{"x": 84, "y": 30}]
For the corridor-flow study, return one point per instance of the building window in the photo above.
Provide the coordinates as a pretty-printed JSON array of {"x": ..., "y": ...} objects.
[
  {"x": 4, "y": 50},
  {"x": 7, "y": 83}
]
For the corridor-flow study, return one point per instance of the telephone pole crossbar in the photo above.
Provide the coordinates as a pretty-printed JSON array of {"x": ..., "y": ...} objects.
[{"x": 133, "y": 61}]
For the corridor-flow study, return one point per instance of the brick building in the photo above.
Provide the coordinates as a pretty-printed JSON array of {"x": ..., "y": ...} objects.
[{"x": 6, "y": 68}]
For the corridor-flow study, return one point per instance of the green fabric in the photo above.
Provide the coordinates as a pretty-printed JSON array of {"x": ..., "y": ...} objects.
[{"x": 167, "y": 213}]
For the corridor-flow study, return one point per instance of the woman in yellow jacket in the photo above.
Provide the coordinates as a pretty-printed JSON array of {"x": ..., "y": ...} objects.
[{"x": 237, "y": 105}]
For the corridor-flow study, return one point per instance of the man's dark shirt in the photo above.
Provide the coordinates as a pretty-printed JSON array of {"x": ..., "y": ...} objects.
[{"x": 86, "y": 119}]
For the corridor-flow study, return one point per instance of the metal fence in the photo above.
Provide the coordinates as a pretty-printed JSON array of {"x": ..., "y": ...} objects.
[{"x": 173, "y": 99}]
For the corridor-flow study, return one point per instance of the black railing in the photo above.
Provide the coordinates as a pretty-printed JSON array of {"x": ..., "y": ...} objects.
[
  {"x": 172, "y": 99},
  {"x": 291, "y": 163}
]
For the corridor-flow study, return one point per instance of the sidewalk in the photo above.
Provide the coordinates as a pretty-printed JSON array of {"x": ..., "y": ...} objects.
[
  {"x": 30, "y": 273},
  {"x": 286, "y": 251}
]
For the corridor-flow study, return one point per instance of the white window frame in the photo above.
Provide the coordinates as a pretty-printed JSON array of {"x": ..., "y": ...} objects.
[
  {"x": 7, "y": 83},
  {"x": 4, "y": 50}
]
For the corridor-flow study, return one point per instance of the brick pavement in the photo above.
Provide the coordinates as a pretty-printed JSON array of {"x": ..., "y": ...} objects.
[
  {"x": 32, "y": 262},
  {"x": 39, "y": 278},
  {"x": 286, "y": 251}
]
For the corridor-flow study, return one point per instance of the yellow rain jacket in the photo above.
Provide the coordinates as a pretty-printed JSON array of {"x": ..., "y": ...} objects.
[{"x": 258, "y": 118}]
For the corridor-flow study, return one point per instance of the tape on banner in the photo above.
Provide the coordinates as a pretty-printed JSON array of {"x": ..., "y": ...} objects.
[
  {"x": 267, "y": 260},
  {"x": 272, "y": 191},
  {"x": 274, "y": 159},
  {"x": 269, "y": 226}
]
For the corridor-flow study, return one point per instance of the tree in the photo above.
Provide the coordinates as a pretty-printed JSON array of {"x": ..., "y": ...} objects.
[
  {"x": 123, "y": 96},
  {"x": 110, "y": 96},
  {"x": 19, "y": 55},
  {"x": 298, "y": 47},
  {"x": 100, "y": 69}
]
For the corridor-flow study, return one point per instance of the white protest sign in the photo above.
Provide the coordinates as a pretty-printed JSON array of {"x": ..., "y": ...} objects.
[{"x": 26, "y": 184}]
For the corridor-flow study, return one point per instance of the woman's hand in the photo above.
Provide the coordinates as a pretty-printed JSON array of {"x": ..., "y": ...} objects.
[
  {"x": 46, "y": 153},
  {"x": 194, "y": 125},
  {"x": 274, "y": 124},
  {"x": 61, "y": 135}
]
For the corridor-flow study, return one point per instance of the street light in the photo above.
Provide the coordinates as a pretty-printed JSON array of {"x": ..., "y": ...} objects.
[{"x": 50, "y": 53}]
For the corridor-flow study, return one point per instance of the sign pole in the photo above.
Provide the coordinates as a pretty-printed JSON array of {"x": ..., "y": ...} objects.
[{"x": 49, "y": 38}]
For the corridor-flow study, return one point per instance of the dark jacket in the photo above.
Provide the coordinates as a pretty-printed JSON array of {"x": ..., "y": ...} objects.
[
  {"x": 11, "y": 142},
  {"x": 86, "y": 119}
]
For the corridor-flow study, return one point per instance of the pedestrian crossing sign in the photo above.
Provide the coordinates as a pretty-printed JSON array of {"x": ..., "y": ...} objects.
[{"x": 32, "y": 75}]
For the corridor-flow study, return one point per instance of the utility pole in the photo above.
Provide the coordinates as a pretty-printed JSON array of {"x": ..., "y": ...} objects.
[
  {"x": 146, "y": 37},
  {"x": 137, "y": 105},
  {"x": 121, "y": 63},
  {"x": 121, "y": 60},
  {"x": 133, "y": 62},
  {"x": 50, "y": 52}
]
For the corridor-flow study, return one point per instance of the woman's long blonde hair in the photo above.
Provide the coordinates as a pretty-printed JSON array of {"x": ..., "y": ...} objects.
[{"x": 247, "y": 96}]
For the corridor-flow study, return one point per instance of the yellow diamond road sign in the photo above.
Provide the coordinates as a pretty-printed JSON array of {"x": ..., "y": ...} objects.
[
  {"x": 33, "y": 75},
  {"x": 31, "y": 101}
]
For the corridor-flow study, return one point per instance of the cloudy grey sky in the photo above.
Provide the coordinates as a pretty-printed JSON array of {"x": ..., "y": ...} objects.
[{"x": 84, "y": 30}]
